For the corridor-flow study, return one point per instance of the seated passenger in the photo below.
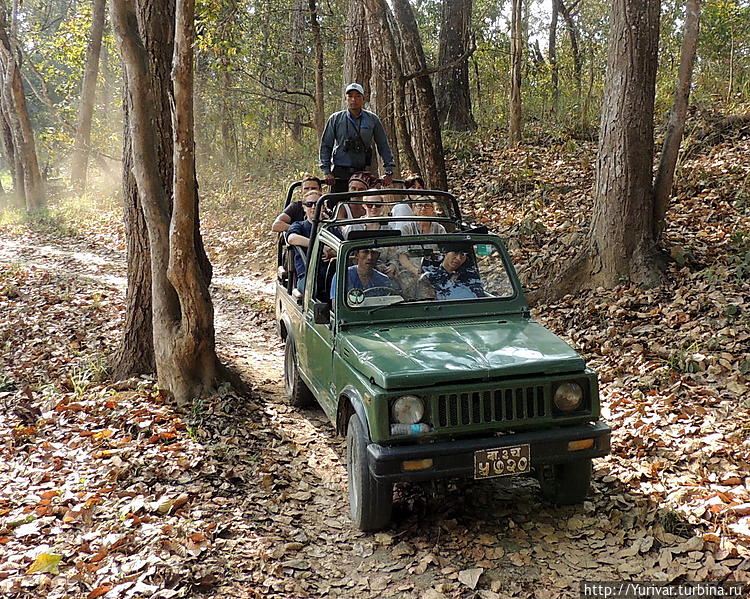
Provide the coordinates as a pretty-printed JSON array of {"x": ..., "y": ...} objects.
[
  {"x": 363, "y": 275},
  {"x": 299, "y": 234},
  {"x": 374, "y": 208},
  {"x": 357, "y": 182},
  {"x": 425, "y": 207},
  {"x": 456, "y": 277},
  {"x": 294, "y": 211},
  {"x": 411, "y": 182}
]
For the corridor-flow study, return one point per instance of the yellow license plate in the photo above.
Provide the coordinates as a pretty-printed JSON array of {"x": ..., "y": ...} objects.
[{"x": 503, "y": 461}]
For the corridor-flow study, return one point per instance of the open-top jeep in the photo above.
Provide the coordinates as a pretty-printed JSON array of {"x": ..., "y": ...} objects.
[{"x": 421, "y": 350}]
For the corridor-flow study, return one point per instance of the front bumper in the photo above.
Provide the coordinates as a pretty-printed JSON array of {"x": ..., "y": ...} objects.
[{"x": 456, "y": 458}]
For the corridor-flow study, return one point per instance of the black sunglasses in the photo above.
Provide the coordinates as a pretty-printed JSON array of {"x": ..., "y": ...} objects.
[{"x": 309, "y": 204}]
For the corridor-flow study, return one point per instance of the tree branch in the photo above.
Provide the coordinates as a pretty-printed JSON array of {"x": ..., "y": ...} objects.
[{"x": 443, "y": 67}]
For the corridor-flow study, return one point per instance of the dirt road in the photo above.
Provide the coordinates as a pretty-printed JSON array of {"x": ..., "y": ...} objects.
[{"x": 255, "y": 492}]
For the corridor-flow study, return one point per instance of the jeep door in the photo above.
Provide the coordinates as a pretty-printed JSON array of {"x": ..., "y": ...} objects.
[{"x": 316, "y": 352}]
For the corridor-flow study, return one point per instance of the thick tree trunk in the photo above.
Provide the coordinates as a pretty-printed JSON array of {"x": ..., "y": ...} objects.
[
  {"x": 357, "y": 65},
  {"x": 552, "y": 56},
  {"x": 621, "y": 243},
  {"x": 81, "y": 146},
  {"x": 452, "y": 90},
  {"x": 320, "y": 110},
  {"x": 428, "y": 125},
  {"x": 29, "y": 184},
  {"x": 516, "y": 54},
  {"x": 136, "y": 352},
  {"x": 186, "y": 362},
  {"x": 676, "y": 127}
]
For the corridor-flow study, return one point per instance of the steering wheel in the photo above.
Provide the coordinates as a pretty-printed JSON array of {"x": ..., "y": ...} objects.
[{"x": 369, "y": 292}]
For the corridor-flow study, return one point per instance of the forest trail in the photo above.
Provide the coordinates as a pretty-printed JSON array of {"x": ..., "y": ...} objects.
[{"x": 255, "y": 491}]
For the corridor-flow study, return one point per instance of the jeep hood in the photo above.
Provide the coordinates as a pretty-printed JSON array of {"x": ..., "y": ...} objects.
[{"x": 417, "y": 355}]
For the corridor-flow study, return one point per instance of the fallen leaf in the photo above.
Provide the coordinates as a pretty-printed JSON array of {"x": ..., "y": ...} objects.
[{"x": 45, "y": 562}]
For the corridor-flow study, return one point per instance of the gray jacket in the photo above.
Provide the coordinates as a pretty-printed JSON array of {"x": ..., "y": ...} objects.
[{"x": 341, "y": 126}]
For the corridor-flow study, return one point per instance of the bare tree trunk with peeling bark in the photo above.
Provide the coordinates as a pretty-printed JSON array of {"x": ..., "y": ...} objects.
[
  {"x": 186, "y": 361},
  {"x": 82, "y": 144},
  {"x": 676, "y": 127}
]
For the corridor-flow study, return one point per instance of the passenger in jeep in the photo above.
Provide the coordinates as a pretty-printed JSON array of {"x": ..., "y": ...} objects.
[
  {"x": 457, "y": 276},
  {"x": 299, "y": 235},
  {"x": 364, "y": 276},
  {"x": 294, "y": 211}
]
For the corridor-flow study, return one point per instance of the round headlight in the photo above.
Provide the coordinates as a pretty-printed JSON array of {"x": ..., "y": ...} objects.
[
  {"x": 568, "y": 397},
  {"x": 407, "y": 410}
]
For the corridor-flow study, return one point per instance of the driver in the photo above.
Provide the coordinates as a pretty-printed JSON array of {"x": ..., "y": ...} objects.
[
  {"x": 363, "y": 275},
  {"x": 456, "y": 277}
]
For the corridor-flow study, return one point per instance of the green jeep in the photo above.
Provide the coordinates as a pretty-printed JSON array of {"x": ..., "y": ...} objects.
[{"x": 420, "y": 348}]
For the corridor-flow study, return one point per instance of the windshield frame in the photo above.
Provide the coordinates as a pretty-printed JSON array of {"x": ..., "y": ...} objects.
[{"x": 427, "y": 309}]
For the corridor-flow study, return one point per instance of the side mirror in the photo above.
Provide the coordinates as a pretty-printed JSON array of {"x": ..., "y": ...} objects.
[{"x": 321, "y": 313}]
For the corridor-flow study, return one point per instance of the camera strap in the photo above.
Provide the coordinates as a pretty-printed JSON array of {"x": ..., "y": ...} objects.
[{"x": 354, "y": 124}]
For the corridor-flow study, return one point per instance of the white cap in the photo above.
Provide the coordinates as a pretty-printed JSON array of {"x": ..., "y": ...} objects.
[{"x": 354, "y": 87}]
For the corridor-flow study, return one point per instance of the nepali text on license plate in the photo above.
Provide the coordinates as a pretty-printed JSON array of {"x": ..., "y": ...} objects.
[{"x": 503, "y": 461}]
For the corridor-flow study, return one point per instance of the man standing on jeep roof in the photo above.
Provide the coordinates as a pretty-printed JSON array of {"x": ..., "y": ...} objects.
[{"x": 346, "y": 145}]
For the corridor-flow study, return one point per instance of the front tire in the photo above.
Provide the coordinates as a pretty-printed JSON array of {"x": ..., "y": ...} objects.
[
  {"x": 566, "y": 484},
  {"x": 298, "y": 393},
  {"x": 370, "y": 500}
]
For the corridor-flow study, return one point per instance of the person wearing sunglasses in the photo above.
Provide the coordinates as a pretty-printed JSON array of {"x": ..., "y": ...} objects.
[
  {"x": 299, "y": 234},
  {"x": 294, "y": 211}
]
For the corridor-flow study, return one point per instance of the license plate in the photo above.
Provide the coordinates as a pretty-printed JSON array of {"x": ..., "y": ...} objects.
[{"x": 503, "y": 461}]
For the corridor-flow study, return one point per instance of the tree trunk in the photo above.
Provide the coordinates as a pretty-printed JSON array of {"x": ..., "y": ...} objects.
[
  {"x": 357, "y": 65},
  {"x": 516, "y": 53},
  {"x": 552, "y": 56},
  {"x": 428, "y": 129},
  {"x": 382, "y": 24},
  {"x": 320, "y": 111},
  {"x": 28, "y": 177},
  {"x": 81, "y": 146},
  {"x": 671, "y": 148},
  {"x": 574, "y": 50},
  {"x": 620, "y": 245},
  {"x": 135, "y": 354},
  {"x": 452, "y": 89},
  {"x": 186, "y": 361}
]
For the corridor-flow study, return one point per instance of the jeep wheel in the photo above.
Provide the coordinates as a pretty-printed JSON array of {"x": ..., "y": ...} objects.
[
  {"x": 566, "y": 484},
  {"x": 297, "y": 391},
  {"x": 370, "y": 501}
]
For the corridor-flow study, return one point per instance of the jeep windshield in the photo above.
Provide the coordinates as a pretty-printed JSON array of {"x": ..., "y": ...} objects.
[{"x": 395, "y": 272}]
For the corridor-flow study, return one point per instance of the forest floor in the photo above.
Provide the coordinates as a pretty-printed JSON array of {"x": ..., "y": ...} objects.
[{"x": 110, "y": 491}]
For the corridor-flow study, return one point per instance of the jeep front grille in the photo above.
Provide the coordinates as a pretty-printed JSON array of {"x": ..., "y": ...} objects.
[{"x": 499, "y": 405}]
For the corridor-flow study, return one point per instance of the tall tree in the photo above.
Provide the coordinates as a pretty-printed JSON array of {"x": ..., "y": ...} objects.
[
  {"x": 452, "y": 89},
  {"x": 29, "y": 186},
  {"x": 567, "y": 13},
  {"x": 182, "y": 313},
  {"x": 319, "y": 116},
  {"x": 552, "y": 56},
  {"x": 382, "y": 27},
  {"x": 81, "y": 145},
  {"x": 676, "y": 126},
  {"x": 427, "y": 130},
  {"x": 620, "y": 243},
  {"x": 516, "y": 54}
]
